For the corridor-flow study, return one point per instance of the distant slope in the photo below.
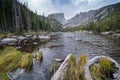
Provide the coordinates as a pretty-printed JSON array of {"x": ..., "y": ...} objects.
[
  {"x": 16, "y": 17},
  {"x": 57, "y": 16},
  {"x": 93, "y": 15},
  {"x": 107, "y": 19}
]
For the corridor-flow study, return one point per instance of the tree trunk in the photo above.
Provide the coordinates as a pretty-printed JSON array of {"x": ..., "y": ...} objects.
[{"x": 59, "y": 75}]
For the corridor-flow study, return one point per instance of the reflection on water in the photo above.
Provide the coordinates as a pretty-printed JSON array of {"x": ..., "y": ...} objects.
[{"x": 89, "y": 44}]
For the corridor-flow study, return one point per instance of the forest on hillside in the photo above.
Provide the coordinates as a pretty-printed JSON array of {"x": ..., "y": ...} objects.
[{"x": 18, "y": 18}]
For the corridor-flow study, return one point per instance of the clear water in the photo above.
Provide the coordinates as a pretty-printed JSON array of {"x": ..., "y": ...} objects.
[{"x": 91, "y": 44}]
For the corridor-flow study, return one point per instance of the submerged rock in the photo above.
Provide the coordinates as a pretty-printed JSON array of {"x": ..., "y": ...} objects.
[
  {"x": 78, "y": 39},
  {"x": 55, "y": 45},
  {"x": 14, "y": 75},
  {"x": 59, "y": 60},
  {"x": 44, "y": 37}
]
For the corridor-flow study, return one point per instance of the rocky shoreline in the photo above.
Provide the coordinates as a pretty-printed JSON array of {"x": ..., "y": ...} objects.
[
  {"x": 112, "y": 34},
  {"x": 21, "y": 42}
]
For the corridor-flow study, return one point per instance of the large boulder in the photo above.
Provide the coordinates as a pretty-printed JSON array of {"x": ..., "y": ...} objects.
[
  {"x": 9, "y": 41},
  {"x": 44, "y": 38},
  {"x": 20, "y": 38}
]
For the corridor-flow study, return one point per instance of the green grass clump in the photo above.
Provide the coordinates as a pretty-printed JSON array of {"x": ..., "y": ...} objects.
[
  {"x": 76, "y": 70},
  {"x": 7, "y": 50},
  {"x": 102, "y": 70},
  {"x": 9, "y": 61},
  {"x": 95, "y": 72},
  {"x": 105, "y": 67},
  {"x": 82, "y": 60},
  {"x": 70, "y": 73},
  {"x": 4, "y": 76},
  {"x": 54, "y": 67},
  {"x": 39, "y": 56},
  {"x": 26, "y": 61},
  {"x": 80, "y": 67}
]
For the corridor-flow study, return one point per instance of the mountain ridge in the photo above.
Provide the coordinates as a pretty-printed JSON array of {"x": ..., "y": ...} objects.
[{"x": 84, "y": 18}]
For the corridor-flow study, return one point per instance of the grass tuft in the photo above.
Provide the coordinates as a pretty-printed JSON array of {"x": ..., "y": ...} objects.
[
  {"x": 95, "y": 72},
  {"x": 4, "y": 76},
  {"x": 82, "y": 60},
  {"x": 101, "y": 70},
  {"x": 39, "y": 56},
  {"x": 105, "y": 67},
  {"x": 9, "y": 60},
  {"x": 54, "y": 67},
  {"x": 26, "y": 61},
  {"x": 76, "y": 70}
]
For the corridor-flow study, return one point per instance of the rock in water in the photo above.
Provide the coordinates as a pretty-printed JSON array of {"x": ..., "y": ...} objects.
[
  {"x": 44, "y": 38},
  {"x": 9, "y": 41},
  {"x": 20, "y": 38},
  {"x": 14, "y": 75},
  {"x": 59, "y": 60}
]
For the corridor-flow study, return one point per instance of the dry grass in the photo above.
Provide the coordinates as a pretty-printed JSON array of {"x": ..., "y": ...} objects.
[
  {"x": 105, "y": 67},
  {"x": 82, "y": 60},
  {"x": 26, "y": 61},
  {"x": 95, "y": 72},
  {"x": 10, "y": 59},
  {"x": 39, "y": 56},
  {"x": 3, "y": 76},
  {"x": 102, "y": 70},
  {"x": 80, "y": 66},
  {"x": 76, "y": 70},
  {"x": 99, "y": 71},
  {"x": 54, "y": 67}
]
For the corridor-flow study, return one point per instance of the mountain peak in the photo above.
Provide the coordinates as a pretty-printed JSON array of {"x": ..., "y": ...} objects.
[{"x": 58, "y": 16}]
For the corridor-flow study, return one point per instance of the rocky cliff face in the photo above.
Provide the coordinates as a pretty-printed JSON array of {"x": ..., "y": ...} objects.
[
  {"x": 86, "y": 17},
  {"x": 57, "y": 16}
]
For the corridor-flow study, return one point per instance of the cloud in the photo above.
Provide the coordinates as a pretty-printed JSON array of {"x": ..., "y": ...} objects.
[
  {"x": 68, "y": 7},
  {"x": 41, "y": 6}
]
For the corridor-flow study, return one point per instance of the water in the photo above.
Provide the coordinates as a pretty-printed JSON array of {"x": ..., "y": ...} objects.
[{"x": 91, "y": 45}]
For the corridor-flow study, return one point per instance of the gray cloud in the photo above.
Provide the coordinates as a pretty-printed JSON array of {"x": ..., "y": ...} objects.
[{"x": 69, "y": 8}]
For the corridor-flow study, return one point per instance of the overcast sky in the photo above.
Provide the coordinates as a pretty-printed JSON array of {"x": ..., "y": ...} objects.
[{"x": 69, "y": 7}]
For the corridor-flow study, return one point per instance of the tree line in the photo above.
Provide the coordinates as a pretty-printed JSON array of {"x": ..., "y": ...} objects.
[{"x": 16, "y": 17}]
